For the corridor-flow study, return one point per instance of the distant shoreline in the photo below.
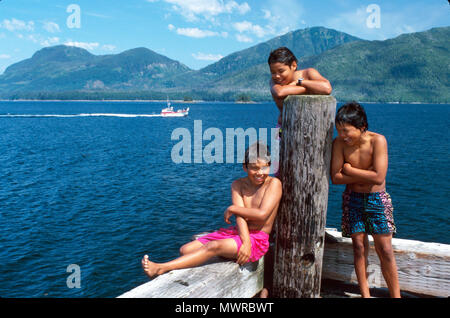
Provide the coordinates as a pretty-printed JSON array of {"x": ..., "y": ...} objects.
[
  {"x": 186, "y": 102},
  {"x": 101, "y": 100}
]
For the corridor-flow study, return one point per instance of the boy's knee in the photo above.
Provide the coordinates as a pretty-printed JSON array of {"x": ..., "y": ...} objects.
[
  {"x": 385, "y": 251},
  {"x": 212, "y": 246},
  {"x": 358, "y": 249},
  {"x": 186, "y": 248},
  {"x": 183, "y": 250}
]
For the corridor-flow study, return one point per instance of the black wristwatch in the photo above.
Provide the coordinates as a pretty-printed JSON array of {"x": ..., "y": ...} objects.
[{"x": 299, "y": 81}]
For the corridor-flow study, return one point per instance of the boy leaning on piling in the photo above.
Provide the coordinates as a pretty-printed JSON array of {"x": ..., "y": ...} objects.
[
  {"x": 287, "y": 80},
  {"x": 360, "y": 160}
]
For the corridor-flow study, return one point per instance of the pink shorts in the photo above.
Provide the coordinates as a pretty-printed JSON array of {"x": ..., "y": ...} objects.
[{"x": 259, "y": 240}]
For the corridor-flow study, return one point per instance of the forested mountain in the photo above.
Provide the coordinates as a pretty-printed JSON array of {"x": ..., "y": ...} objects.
[{"x": 410, "y": 67}]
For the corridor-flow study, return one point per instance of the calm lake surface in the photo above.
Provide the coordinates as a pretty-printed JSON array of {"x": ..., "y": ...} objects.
[{"x": 101, "y": 191}]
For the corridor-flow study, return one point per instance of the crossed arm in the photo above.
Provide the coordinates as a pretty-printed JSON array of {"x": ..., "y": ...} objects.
[
  {"x": 314, "y": 83},
  {"x": 242, "y": 227},
  {"x": 344, "y": 173},
  {"x": 271, "y": 198}
]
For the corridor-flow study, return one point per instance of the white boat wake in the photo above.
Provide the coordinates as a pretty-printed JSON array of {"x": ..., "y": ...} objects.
[{"x": 79, "y": 115}]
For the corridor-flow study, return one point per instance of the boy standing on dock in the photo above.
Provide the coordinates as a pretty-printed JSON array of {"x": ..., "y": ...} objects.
[
  {"x": 360, "y": 160},
  {"x": 255, "y": 199}
]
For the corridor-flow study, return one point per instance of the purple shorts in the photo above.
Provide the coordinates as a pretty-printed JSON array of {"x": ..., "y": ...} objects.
[{"x": 259, "y": 240}]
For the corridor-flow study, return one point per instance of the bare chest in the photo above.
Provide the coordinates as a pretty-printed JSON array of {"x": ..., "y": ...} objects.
[
  {"x": 359, "y": 157},
  {"x": 253, "y": 199}
]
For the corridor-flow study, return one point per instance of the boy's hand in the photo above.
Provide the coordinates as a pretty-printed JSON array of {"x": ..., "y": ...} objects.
[
  {"x": 346, "y": 168},
  {"x": 227, "y": 215},
  {"x": 244, "y": 253}
]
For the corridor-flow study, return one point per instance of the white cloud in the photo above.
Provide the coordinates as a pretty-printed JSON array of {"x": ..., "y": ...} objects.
[
  {"x": 39, "y": 39},
  {"x": 279, "y": 19},
  {"x": 207, "y": 57},
  {"x": 5, "y": 56},
  {"x": 192, "y": 9},
  {"x": 196, "y": 32},
  {"x": 83, "y": 45},
  {"x": 243, "y": 38},
  {"x": 90, "y": 46},
  {"x": 51, "y": 27},
  {"x": 31, "y": 37},
  {"x": 267, "y": 14},
  {"x": 17, "y": 25},
  {"x": 50, "y": 41},
  {"x": 246, "y": 26},
  {"x": 241, "y": 8},
  {"x": 108, "y": 47},
  {"x": 276, "y": 20},
  {"x": 242, "y": 26}
]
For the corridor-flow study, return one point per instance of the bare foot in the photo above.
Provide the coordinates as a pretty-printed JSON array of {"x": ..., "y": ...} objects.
[
  {"x": 150, "y": 268},
  {"x": 264, "y": 293}
]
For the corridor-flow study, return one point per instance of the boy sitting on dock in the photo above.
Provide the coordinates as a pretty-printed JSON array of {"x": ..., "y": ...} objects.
[
  {"x": 360, "y": 160},
  {"x": 255, "y": 199}
]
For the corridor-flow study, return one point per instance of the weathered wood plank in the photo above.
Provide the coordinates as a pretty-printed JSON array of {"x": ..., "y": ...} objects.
[
  {"x": 217, "y": 279},
  {"x": 423, "y": 268}
]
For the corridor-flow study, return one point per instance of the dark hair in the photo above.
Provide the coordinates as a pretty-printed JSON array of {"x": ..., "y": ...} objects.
[
  {"x": 257, "y": 151},
  {"x": 282, "y": 55},
  {"x": 352, "y": 113}
]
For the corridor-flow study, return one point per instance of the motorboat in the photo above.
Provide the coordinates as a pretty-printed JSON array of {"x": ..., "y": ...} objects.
[{"x": 170, "y": 112}]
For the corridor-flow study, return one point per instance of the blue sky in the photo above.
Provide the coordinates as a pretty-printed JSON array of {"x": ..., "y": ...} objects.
[{"x": 198, "y": 32}]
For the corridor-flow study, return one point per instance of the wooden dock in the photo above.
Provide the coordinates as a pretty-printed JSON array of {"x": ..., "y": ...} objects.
[{"x": 424, "y": 269}]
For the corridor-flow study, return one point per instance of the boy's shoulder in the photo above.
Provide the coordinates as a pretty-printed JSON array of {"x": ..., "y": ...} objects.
[
  {"x": 372, "y": 136},
  {"x": 307, "y": 72},
  {"x": 238, "y": 182},
  {"x": 275, "y": 181},
  {"x": 376, "y": 138},
  {"x": 241, "y": 182},
  {"x": 338, "y": 142}
]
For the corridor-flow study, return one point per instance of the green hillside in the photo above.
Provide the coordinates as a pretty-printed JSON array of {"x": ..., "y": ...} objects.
[
  {"x": 412, "y": 67},
  {"x": 305, "y": 42},
  {"x": 409, "y": 68},
  {"x": 65, "y": 68}
]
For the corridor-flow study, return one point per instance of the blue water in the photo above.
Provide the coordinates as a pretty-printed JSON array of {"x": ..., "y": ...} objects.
[{"x": 101, "y": 191}]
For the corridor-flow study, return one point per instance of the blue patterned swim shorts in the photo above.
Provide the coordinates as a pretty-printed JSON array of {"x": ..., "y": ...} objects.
[{"x": 370, "y": 213}]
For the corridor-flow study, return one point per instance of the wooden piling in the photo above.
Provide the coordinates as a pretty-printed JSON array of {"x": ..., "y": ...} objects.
[{"x": 305, "y": 153}]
